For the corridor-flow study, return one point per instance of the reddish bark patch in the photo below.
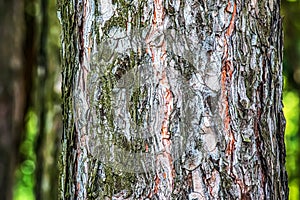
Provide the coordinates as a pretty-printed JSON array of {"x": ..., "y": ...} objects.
[
  {"x": 231, "y": 24},
  {"x": 158, "y": 56},
  {"x": 157, "y": 181},
  {"x": 146, "y": 148},
  {"x": 226, "y": 76}
]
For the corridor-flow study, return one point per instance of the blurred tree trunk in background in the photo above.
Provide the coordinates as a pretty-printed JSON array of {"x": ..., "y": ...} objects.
[
  {"x": 172, "y": 100},
  {"x": 16, "y": 65},
  {"x": 42, "y": 105},
  {"x": 47, "y": 105}
]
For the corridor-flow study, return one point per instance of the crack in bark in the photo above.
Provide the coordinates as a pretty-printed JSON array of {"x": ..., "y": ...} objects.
[{"x": 226, "y": 76}]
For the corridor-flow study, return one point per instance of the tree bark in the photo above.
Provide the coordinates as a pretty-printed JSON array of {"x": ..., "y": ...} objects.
[{"x": 172, "y": 100}]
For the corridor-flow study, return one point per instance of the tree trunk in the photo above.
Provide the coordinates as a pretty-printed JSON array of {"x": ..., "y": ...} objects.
[{"x": 172, "y": 100}]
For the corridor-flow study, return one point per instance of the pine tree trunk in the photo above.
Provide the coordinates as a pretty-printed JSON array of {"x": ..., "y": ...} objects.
[{"x": 172, "y": 100}]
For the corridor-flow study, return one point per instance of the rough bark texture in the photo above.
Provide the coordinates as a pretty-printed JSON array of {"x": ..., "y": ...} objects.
[{"x": 172, "y": 100}]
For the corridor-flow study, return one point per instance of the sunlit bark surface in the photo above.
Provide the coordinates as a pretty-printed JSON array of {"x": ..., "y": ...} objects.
[{"x": 172, "y": 100}]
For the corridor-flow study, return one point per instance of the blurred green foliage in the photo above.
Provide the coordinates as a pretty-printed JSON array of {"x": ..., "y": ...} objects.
[
  {"x": 291, "y": 111},
  {"x": 25, "y": 179},
  {"x": 291, "y": 68}
]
